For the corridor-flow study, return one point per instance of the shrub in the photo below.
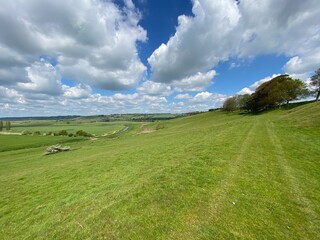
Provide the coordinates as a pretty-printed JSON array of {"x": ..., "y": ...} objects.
[
  {"x": 82, "y": 133},
  {"x": 63, "y": 133},
  {"x": 25, "y": 132}
]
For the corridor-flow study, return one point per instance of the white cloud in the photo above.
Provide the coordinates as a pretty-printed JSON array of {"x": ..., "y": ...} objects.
[
  {"x": 154, "y": 89},
  {"x": 185, "y": 96},
  {"x": 201, "y": 97},
  {"x": 197, "y": 82},
  {"x": 199, "y": 42},
  {"x": 10, "y": 96},
  {"x": 301, "y": 65},
  {"x": 77, "y": 92},
  {"x": 42, "y": 78},
  {"x": 94, "y": 43},
  {"x": 222, "y": 29},
  {"x": 208, "y": 97}
]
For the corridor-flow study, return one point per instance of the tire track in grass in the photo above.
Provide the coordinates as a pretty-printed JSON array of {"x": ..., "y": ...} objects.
[
  {"x": 218, "y": 196},
  {"x": 231, "y": 175},
  {"x": 296, "y": 192}
]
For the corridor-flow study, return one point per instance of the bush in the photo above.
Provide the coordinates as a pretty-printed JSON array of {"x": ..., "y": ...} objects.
[
  {"x": 25, "y": 132},
  {"x": 82, "y": 133},
  {"x": 230, "y": 104},
  {"x": 63, "y": 133}
]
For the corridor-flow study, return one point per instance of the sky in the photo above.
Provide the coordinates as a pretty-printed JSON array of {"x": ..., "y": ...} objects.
[{"x": 90, "y": 57}]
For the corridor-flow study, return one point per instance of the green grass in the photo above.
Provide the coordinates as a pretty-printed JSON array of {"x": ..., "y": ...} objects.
[
  {"x": 208, "y": 176},
  {"x": 71, "y": 126},
  {"x": 13, "y": 142}
]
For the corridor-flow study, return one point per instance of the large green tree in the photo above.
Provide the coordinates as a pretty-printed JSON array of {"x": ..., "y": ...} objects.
[
  {"x": 276, "y": 92},
  {"x": 1, "y": 126},
  {"x": 315, "y": 82}
]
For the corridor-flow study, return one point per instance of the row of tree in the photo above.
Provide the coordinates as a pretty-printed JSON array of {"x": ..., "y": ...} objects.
[
  {"x": 276, "y": 92},
  {"x": 5, "y": 125}
]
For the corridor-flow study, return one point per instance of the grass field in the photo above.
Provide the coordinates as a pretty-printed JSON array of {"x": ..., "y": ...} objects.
[
  {"x": 45, "y": 126},
  {"x": 208, "y": 176}
]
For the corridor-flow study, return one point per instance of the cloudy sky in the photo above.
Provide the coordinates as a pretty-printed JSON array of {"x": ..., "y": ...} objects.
[{"x": 89, "y": 57}]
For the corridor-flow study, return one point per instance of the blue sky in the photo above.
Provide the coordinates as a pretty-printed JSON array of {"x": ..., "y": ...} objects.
[{"x": 138, "y": 56}]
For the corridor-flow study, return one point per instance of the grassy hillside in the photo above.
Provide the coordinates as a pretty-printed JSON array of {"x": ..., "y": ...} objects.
[{"x": 208, "y": 176}]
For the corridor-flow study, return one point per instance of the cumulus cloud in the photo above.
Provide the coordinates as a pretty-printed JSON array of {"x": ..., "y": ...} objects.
[
  {"x": 201, "y": 101},
  {"x": 11, "y": 96},
  {"x": 197, "y": 41},
  {"x": 42, "y": 78},
  {"x": 76, "y": 101},
  {"x": 183, "y": 96},
  {"x": 195, "y": 83},
  {"x": 300, "y": 65},
  {"x": 77, "y": 92},
  {"x": 154, "y": 89},
  {"x": 94, "y": 44},
  {"x": 222, "y": 29}
]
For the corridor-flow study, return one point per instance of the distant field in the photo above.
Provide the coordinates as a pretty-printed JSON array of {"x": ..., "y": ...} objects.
[
  {"x": 45, "y": 126},
  {"x": 13, "y": 142},
  {"x": 208, "y": 176}
]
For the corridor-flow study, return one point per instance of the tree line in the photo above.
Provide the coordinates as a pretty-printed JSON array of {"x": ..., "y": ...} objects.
[
  {"x": 274, "y": 93},
  {"x": 5, "y": 125}
]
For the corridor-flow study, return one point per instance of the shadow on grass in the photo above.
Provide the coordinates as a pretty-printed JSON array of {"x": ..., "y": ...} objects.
[{"x": 282, "y": 107}]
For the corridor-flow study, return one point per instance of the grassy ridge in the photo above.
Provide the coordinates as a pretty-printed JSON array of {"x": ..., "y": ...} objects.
[{"x": 208, "y": 176}]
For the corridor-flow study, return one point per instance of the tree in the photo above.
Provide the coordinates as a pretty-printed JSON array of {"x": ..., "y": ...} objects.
[
  {"x": 292, "y": 89},
  {"x": 276, "y": 92},
  {"x": 8, "y": 125},
  {"x": 244, "y": 102},
  {"x": 315, "y": 82},
  {"x": 1, "y": 126},
  {"x": 230, "y": 104}
]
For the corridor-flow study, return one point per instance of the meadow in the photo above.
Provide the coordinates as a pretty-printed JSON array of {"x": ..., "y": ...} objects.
[
  {"x": 209, "y": 176},
  {"x": 45, "y": 126}
]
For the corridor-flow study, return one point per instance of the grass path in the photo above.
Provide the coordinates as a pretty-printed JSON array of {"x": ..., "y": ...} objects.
[{"x": 305, "y": 206}]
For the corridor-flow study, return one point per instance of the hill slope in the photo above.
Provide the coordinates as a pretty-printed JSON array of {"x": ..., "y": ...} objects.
[{"x": 208, "y": 176}]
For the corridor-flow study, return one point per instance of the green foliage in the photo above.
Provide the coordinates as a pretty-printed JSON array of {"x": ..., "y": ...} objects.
[
  {"x": 63, "y": 133},
  {"x": 244, "y": 102},
  {"x": 8, "y": 125},
  {"x": 1, "y": 126},
  {"x": 230, "y": 104},
  {"x": 36, "y": 133},
  {"x": 82, "y": 133},
  {"x": 315, "y": 82},
  {"x": 276, "y": 92}
]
